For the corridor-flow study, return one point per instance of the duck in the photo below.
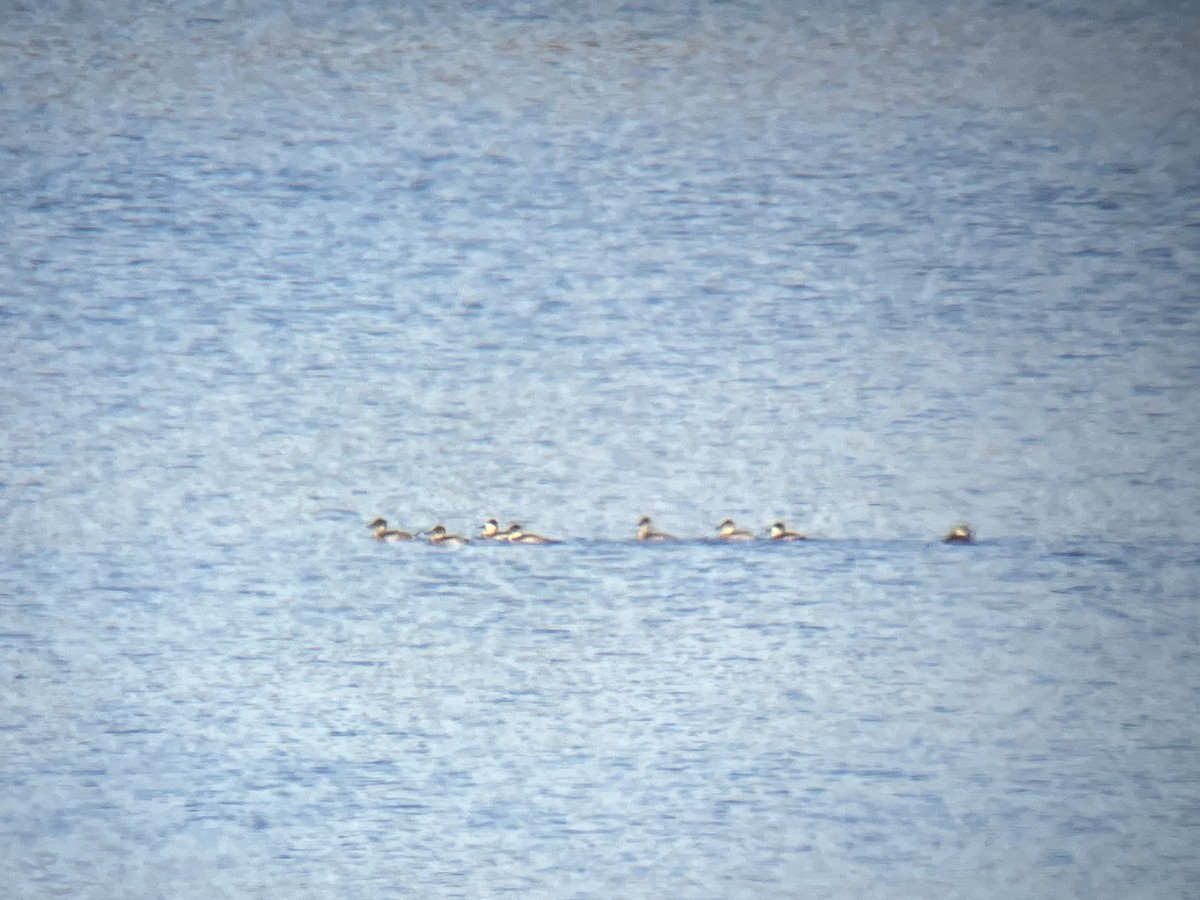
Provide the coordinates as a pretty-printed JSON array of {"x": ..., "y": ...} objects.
[
  {"x": 514, "y": 535},
  {"x": 959, "y": 534},
  {"x": 390, "y": 535},
  {"x": 491, "y": 531},
  {"x": 646, "y": 532},
  {"x": 727, "y": 531},
  {"x": 439, "y": 535},
  {"x": 779, "y": 532}
]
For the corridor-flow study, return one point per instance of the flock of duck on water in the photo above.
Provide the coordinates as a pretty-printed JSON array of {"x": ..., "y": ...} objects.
[{"x": 514, "y": 534}]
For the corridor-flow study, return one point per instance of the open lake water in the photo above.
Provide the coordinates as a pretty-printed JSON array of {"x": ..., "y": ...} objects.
[{"x": 272, "y": 270}]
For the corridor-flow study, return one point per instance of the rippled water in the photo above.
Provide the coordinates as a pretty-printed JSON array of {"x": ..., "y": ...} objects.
[{"x": 269, "y": 274}]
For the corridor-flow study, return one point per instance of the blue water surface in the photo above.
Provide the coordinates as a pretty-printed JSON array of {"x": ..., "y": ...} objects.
[{"x": 270, "y": 272}]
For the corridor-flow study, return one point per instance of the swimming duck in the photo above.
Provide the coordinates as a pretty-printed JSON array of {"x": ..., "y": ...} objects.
[
  {"x": 439, "y": 535},
  {"x": 646, "y": 531},
  {"x": 959, "y": 534},
  {"x": 491, "y": 531},
  {"x": 779, "y": 532},
  {"x": 727, "y": 531},
  {"x": 515, "y": 535},
  {"x": 391, "y": 535}
]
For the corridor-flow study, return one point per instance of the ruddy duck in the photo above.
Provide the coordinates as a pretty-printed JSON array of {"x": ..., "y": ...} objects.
[
  {"x": 779, "y": 532},
  {"x": 515, "y": 535},
  {"x": 646, "y": 531},
  {"x": 439, "y": 535},
  {"x": 491, "y": 531},
  {"x": 959, "y": 534},
  {"x": 727, "y": 531},
  {"x": 391, "y": 535}
]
